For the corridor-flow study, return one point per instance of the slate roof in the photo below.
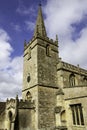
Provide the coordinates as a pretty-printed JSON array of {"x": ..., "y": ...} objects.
[{"x": 2, "y": 107}]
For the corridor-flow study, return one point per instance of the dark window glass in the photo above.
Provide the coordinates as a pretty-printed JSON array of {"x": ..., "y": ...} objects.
[
  {"x": 48, "y": 50},
  {"x": 77, "y": 114},
  {"x": 74, "y": 122},
  {"x": 81, "y": 113}
]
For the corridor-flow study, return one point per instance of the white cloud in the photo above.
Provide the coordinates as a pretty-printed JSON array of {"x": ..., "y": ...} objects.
[
  {"x": 30, "y": 25},
  {"x": 10, "y": 69},
  {"x": 23, "y": 10},
  {"x": 6, "y": 49},
  {"x": 16, "y": 27},
  {"x": 60, "y": 15},
  {"x": 75, "y": 52}
]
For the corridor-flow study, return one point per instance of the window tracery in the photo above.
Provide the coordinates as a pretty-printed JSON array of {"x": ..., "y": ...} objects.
[{"x": 28, "y": 96}]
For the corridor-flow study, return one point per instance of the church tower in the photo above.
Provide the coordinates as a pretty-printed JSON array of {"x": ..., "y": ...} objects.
[{"x": 40, "y": 74}]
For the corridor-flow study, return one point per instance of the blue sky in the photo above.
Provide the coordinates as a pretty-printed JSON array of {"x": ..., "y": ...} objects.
[
  {"x": 14, "y": 15},
  {"x": 66, "y": 18}
]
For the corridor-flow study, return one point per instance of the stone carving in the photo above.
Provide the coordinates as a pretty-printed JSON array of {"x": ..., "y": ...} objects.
[{"x": 58, "y": 109}]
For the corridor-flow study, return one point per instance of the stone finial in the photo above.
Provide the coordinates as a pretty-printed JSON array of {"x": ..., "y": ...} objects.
[
  {"x": 17, "y": 96},
  {"x": 39, "y": 2},
  {"x": 56, "y": 37},
  {"x": 78, "y": 65},
  {"x": 7, "y": 100}
]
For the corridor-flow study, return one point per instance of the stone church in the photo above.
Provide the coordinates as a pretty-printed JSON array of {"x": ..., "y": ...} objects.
[{"x": 54, "y": 93}]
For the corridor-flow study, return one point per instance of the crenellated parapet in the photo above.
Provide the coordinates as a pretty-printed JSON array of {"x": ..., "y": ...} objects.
[
  {"x": 71, "y": 68},
  {"x": 71, "y": 75},
  {"x": 47, "y": 39},
  {"x": 26, "y": 104},
  {"x": 11, "y": 103}
]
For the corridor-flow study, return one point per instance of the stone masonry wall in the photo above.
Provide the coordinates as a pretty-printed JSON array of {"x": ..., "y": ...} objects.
[{"x": 46, "y": 107}]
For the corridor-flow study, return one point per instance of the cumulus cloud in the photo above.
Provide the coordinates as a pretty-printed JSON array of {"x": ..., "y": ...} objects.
[
  {"x": 30, "y": 25},
  {"x": 16, "y": 27},
  {"x": 75, "y": 51},
  {"x": 23, "y": 10},
  {"x": 10, "y": 69},
  {"x": 6, "y": 49},
  {"x": 60, "y": 16}
]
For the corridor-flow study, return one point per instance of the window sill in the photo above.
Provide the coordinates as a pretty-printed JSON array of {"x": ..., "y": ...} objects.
[{"x": 79, "y": 126}]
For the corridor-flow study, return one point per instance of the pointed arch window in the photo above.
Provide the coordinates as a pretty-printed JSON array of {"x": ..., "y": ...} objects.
[
  {"x": 10, "y": 116},
  {"x": 72, "y": 80},
  {"x": 85, "y": 80},
  {"x": 28, "y": 96},
  {"x": 63, "y": 116},
  {"x": 48, "y": 50}
]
